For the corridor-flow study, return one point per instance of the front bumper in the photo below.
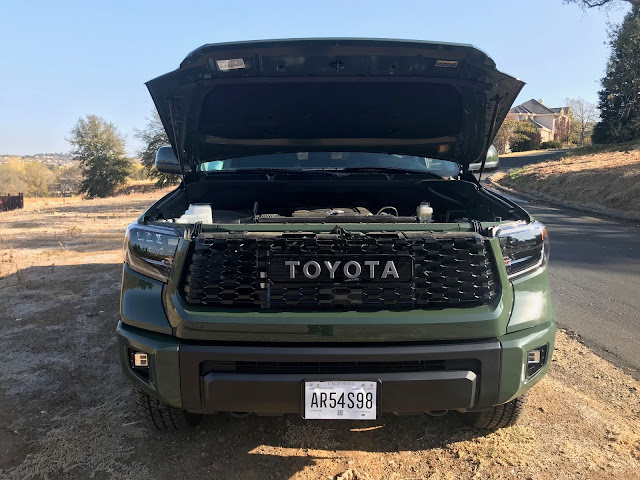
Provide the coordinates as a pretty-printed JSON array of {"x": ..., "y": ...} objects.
[{"x": 207, "y": 377}]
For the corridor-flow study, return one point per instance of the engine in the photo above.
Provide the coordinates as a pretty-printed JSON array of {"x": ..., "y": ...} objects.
[{"x": 207, "y": 215}]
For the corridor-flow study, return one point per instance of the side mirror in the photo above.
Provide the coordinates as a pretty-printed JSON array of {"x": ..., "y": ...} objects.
[
  {"x": 492, "y": 154},
  {"x": 167, "y": 162}
]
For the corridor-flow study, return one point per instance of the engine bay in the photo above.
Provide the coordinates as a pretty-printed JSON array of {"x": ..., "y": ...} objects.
[
  {"x": 359, "y": 214},
  {"x": 206, "y": 214},
  {"x": 252, "y": 200}
]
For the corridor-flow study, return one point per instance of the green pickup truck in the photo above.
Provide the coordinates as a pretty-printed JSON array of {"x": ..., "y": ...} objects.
[{"x": 328, "y": 252}]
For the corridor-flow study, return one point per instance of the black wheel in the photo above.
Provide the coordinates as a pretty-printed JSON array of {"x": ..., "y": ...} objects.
[
  {"x": 499, "y": 416},
  {"x": 162, "y": 416}
]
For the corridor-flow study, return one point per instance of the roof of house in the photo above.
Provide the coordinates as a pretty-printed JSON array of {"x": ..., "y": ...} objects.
[
  {"x": 560, "y": 109},
  {"x": 532, "y": 106},
  {"x": 539, "y": 125},
  {"x": 519, "y": 109}
]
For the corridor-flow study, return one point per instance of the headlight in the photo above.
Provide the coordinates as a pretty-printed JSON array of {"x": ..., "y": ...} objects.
[
  {"x": 149, "y": 250},
  {"x": 525, "y": 246}
]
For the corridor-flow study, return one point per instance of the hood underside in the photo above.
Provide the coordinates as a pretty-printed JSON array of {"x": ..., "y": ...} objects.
[{"x": 274, "y": 96}]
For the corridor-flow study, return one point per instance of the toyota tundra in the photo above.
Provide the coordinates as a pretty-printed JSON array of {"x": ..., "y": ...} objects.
[{"x": 328, "y": 252}]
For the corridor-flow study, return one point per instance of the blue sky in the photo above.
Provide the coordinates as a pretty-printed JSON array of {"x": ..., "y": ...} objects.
[{"x": 61, "y": 60}]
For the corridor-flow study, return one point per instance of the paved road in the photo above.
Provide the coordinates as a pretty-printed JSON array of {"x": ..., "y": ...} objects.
[
  {"x": 595, "y": 276},
  {"x": 516, "y": 161}
]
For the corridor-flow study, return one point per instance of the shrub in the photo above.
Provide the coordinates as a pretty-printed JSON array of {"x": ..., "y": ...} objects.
[
  {"x": 525, "y": 137},
  {"x": 550, "y": 144}
]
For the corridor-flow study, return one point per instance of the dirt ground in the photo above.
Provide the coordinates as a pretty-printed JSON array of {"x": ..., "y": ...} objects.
[
  {"x": 608, "y": 179},
  {"x": 66, "y": 410}
]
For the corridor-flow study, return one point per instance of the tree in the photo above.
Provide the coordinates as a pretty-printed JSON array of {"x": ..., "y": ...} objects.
[
  {"x": 504, "y": 135},
  {"x": 69, "y": 179},
  {"x": 584, "y": 115},
  {"x": 138, "y": 172},
  {"x": 586, "y": 4},
  {"x": 29, "y": 177},
  {"x": 12, "y": 176},
  {"x": 518, "y": 135},
  {"x": 564, "y": 128},
  {"x": 619, "y": 99},
  {"x": 525, "y": 137},
  {"x": 152, "y": 138},
  {"x": 37, "y": 177},
  {"x": 99, "y": 148}
]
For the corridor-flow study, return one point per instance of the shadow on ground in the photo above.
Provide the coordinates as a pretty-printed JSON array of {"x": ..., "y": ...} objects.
[{"x": 66, "y": 409}]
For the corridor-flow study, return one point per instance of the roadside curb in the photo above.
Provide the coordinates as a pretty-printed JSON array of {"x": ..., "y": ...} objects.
[{"x": 591, "y": 209}]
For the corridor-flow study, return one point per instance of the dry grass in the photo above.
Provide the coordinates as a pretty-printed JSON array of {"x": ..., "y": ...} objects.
[
  {"x": 526, "y": 154},
  {"x": 50, "y": 231},
  {"x": 66, "y": 409},
  {"x": 609, "y": 179}
]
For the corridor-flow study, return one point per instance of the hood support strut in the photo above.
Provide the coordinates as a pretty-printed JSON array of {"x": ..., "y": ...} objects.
[
  {"x": 178, "y": 151},
  {"x": 489, "y": 135}
]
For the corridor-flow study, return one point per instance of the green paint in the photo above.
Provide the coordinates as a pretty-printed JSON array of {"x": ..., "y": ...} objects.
[
  {"x": 164, "y": 363},
  {"x": 141, "y": 302},
  {"x": 514, "y": 359}
]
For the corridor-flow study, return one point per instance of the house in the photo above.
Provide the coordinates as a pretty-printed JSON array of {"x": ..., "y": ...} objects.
[{"x": 551, "y": 123}]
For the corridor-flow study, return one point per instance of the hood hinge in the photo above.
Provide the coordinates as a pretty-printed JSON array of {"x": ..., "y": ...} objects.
[
  {"x": 477, "y": 227},
  {"x": 197, "y": 230}
]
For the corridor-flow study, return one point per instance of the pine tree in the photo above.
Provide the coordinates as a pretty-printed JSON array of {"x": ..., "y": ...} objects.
[
  {"x": 99, "y": 148},
  {"x": 619, "y": 99}
]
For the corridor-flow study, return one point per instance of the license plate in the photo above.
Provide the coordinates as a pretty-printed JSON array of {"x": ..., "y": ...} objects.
[{"x": 340, "y": 400}]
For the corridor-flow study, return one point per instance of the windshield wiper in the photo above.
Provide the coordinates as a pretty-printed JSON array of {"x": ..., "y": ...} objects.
[
  {"x": 272, "y": 171},
  {"x": 327, "y": 171},
  {"x": 392, "y": 170}
]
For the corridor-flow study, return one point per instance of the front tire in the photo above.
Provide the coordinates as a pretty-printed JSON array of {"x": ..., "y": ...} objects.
[
  {"x": 500, "y": 416},
  {"x": 163, "y": 416}
]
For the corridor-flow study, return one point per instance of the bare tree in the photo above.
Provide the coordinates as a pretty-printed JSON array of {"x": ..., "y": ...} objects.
[
  {"x": 153, "y": 137},
  {"x": 564, "y": 128},
  {"x": 585, "y": 115},
  {"x": 70, "y": 179},
  {"x": 586, "y": 4}
]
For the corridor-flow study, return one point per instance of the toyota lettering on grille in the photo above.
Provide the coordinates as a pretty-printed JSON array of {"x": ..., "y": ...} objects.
[
  {"x": 327, "y": 269},
  {"x": 351, "y": 269}
]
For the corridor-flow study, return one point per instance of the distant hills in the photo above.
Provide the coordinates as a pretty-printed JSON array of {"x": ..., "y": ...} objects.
[{"x": 58, "y": 159}]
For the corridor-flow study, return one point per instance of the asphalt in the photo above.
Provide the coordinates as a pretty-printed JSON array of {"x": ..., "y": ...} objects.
[{"x": 595, "y": 275}]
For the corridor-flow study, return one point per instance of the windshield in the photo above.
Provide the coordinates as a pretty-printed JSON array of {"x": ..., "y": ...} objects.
[{"x": 301, "y": 161}]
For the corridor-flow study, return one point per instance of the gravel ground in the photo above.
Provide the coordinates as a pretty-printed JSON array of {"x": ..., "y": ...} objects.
[{"x": 66, "y": 410}]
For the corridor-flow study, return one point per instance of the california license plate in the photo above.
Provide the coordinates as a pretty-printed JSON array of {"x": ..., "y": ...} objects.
[{"x": 340, "y": 400}]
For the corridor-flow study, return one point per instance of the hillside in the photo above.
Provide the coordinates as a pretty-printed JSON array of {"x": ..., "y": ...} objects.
[
  {"x": 592, "y": 177},
  {"x": 57, "y": 159}
]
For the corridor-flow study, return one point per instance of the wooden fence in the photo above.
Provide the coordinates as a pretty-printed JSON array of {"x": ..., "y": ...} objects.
[{"x": 11, "y": 202}]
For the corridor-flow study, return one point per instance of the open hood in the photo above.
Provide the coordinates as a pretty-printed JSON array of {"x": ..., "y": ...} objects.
[{"x": 397, "y": 96}]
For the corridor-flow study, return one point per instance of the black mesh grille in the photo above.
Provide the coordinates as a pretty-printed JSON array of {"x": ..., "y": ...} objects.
[{"x": 247, "y": 271}]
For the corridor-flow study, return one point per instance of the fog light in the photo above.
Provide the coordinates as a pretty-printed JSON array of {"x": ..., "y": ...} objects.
[
  {"x": 532, "y": 357},
  {"x": 140, "y": 360},
  {"x": 139, "y": 363},
  {"x": 536, "y": 359}
]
